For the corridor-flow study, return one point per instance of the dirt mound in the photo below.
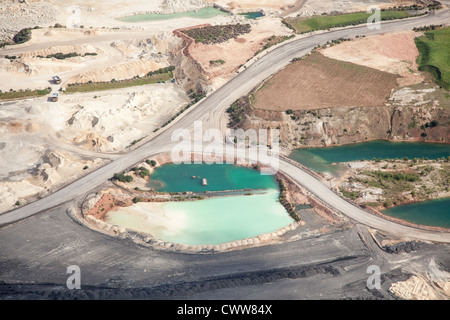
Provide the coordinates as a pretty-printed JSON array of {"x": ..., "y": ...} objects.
[
  {"x": 91, "y": 33},
  {"x": 50, "y": 33},
  {"x": 320, "y": 82},
  {"x": 92, "y": 141}
]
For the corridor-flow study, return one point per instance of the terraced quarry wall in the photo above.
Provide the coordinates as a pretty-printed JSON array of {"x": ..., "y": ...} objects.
[{"x": 343, "y": 125}]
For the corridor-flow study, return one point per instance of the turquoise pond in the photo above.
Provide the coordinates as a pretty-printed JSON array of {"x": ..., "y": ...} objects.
[
  {"x": 323, "y": 159},
  {"x": 212, "y": 220},
  {"x": 429, "y": 213},
  {"x": 252, "y": 15},
  {"x": 203, "y": 13},
  {"x": 220, "y": 177}
]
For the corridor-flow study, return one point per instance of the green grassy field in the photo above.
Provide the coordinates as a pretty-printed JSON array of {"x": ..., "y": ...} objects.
[
  {"x": 434, "y": 48},
  {"x": 10, "y": 95},
  {"x": 302, "y": 25},
  {"x": 101, "y": 86}
]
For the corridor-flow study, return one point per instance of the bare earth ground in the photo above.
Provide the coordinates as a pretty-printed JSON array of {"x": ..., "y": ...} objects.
[
  {"x": 319, "y": 82},
  {"x": 235, "y": 52},
  {"x": 391, "y": 52}
]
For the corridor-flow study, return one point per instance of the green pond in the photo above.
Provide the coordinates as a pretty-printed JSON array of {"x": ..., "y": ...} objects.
[
  {"x": 203, "y": 13},
  {"x": 428, "y": 213},
  {"x": 206, "y": 222},
  {"x": 252, "y": 15},
  {"x": 327, "y": 159},
  {"x": 219, "y": 177}
]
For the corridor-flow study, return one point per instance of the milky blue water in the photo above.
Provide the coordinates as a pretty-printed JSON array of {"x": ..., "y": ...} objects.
[
  {"x": 208, "y": 221},
  {"x": 212, "y": 220}
]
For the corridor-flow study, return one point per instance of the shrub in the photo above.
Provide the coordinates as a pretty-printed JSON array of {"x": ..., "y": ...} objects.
[
  {"x": 122, "y": 177},
  {"x": 22, "y": 36}
]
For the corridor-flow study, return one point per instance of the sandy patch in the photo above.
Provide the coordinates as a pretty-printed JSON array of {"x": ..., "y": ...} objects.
[
  {"x": 40, "y": 174},
  {"x": 418, "y": 288},
  {"x": 235, "y": 52},
  {"x": 115, "y": 118},
  {"x": 392, "y": 52}
]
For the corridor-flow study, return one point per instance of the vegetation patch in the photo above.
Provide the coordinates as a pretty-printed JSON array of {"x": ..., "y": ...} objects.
[
  {"x": 303, "y": 25},
  {"x": 122, "y": 177},
  {"x": 400, "y": 181},
  {"x": 161, "y": 75},
  {"x": 13, "y": 94},
  {"x": 142, "y": 172},
  {"x": 217, "y": 34},
  {"x": 22, "y": 36},
  {"x": 62, "y": 56},
  {"x": 274, "y": 40},
  {"x": 237, "y": 111},
  {"x": 434, "y": 57},
  {"x": 286, "y": 204},
  {"x": 216, "y": 62}
]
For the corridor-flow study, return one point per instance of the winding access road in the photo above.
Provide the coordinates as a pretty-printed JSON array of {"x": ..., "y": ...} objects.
[{"x": 210, "y": 112}]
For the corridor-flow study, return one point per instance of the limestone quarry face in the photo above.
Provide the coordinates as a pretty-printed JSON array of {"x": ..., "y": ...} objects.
[
  {"x": 114, "y": 119},
  {"x": 99, "y": 62},
  {"x": 55, "y": 143},
  {"x": 169, "y": 6},
  {"x": 15, "y": 16}
]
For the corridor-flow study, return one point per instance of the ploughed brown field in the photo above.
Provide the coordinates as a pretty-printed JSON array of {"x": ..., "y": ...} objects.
[{"x": 319, "y": 82}]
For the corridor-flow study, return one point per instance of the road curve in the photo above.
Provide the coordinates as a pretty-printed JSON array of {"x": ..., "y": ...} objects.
[{"x": 210, "y": 110}]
